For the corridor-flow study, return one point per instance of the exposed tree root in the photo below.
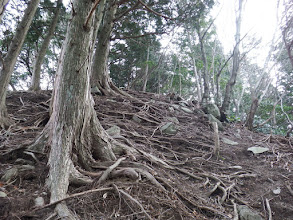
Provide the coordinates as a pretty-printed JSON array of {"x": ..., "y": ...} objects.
[
  {"x": 125, "y": 194},
  {"x": 64, "y": 213},
  {"x": 5, "y": 121},
  {"x": 163, "y": 174},
  {"x": 109, "y": 170}
]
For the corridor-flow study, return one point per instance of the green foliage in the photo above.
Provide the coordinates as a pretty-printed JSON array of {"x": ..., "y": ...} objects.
[{"x": 33, "y": 41}]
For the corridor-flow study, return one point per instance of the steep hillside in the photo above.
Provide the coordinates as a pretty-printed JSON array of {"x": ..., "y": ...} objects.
[{"x": 171, "y": 174}]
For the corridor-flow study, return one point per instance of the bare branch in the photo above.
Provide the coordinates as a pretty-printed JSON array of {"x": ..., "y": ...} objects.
[
  {"x": 91, "y": 13},
  {"x": 154, "y": 12},
  {"x": 126, "y": 11},
  {"x": 138, "y": 36}
]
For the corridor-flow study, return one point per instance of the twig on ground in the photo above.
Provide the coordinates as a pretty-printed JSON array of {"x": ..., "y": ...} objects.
[
  {"x": 51, "y": 216},
  {"x": 236, "y": 217},
  {"x": 70, "y": 197},
  {"x": 269, "y": 209},
  {"x": 133, "y": 200},
  {"x": 189, "y": 174}
]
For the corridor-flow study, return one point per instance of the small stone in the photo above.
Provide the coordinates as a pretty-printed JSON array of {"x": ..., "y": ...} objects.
[
  {"x": 246, "y": 214},
  {"x": 212, "y": 109},
  {"x": 3, "y": 194},
  {"x": 187, "y": 110},
  {"x": 136, "y": 119},
  {"x": 39, "y": 202},
  {"x": 169, "y": 128},
  {"x": 277, "y": 191},
  {"x": 114, "y": 131},
  {"x": 173, "y": 119},
  {"x": 258, "y": 150},
  {"x": 213, "y": 119},
  {"x": 227, "y": 141},
  {"x": 10, "y": 175},
  {"x": 237, "y": 134}
]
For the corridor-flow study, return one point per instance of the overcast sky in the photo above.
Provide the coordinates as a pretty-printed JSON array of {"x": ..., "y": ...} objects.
[{"x": 259, "y": 20}]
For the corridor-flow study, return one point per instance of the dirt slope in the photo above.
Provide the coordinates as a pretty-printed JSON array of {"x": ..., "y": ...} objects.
[{"x": 178, "y": 176}]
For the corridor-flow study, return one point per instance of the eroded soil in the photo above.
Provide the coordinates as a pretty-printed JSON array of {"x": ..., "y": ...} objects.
[{"x": 187, "y": 182}]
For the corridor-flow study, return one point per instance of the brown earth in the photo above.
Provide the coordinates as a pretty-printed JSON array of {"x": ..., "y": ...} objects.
[{"x": 183, "y": 181}]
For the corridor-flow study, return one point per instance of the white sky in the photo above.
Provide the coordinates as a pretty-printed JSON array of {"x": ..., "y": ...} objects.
[{"x": 259, "y": 20}]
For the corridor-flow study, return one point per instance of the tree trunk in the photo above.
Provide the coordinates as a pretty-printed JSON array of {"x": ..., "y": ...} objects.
[
  {"x": 206, "y": 95},
  {"x": 180, "y": 86},
  {"x": 35, "y": 85},
  {"x": 100, "y": 76},
  {"x": 3, "y": 4},
  {"x": 262, "y": 85},
  {"x": 146, "y": 73},
  {"x": 11, "y": 57},
  {"x": 172, "y": 77},
  {"x": 217, "y": 80},
  {"x": 238, "y": 102},
  {"x": 236, "y": 60},
  {"x": 159, "y": 82},
  {"x": 74, "y": 125},
  {"x": 251, "y": 114},
  {"x": 199, "y": 96}
]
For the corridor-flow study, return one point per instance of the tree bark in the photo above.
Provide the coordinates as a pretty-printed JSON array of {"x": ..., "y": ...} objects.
[
  {"x": 35, "y": 85},
  {"x": 251, "y": 114},
  {"x": 236, "y": 61},
  {"x": 100, "y": 76},
  {"x": 146, "y": 73},
  {"x": 180, "y": 84},
  {"x": 199, "y": 96},
  {"x": 75, "y": 129},
  {"x": 3, "y": 4},
  {"x": 11, "y": 57},
  {"x": 206, "y": 92}
]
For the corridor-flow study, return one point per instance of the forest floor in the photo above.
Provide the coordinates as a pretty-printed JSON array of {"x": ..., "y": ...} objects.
[{"x": 181, "y": 179}]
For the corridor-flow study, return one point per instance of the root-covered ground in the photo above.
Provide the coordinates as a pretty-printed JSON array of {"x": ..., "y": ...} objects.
[{"x": 179, "y": 178}]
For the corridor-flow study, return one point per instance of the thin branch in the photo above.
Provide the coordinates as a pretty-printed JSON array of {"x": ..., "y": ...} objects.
[
  {"x": 125, "y": 194},
  {"x": 126, "y": 11},
  {"x": 154, "y": 12},
  {"x": 70, "y": 197},
  {"x": 138, "y": 36},
  {"x": 91, "y": 13},
  {"x": 269, "y": 209},
  {"x": 210, "y": 25},
  {"x": 219, "y": 73}
]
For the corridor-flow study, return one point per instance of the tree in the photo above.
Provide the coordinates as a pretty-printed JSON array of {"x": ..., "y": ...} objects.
[
  {"x": 235, "y": 67},
  {"x": 77, "y": 130},
  {"x": 100, "y": 76},
  {"x": 262, "y": 85},
  {"x": 287, "y": 29},
  {"x": 206, "y": 90},
  {"x": 9, "y": 60},
  {"x": 3, "y": 4},
  {"x": 36, "y": 74}
]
